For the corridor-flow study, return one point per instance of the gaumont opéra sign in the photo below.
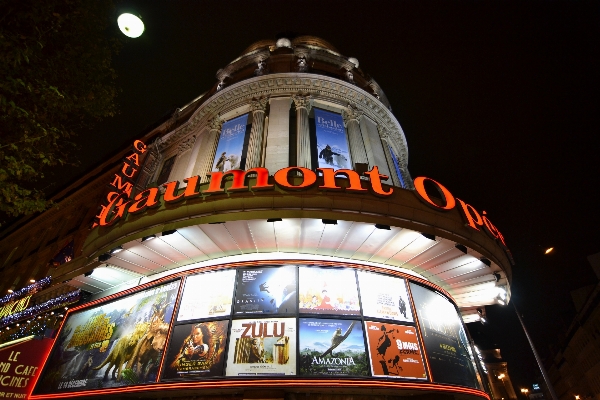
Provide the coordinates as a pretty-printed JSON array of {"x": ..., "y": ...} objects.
[{"x": 120, "y": 202}]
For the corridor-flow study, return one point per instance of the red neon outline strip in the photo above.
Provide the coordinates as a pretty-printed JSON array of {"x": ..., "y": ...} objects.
[{"x": 288, "y": 383}]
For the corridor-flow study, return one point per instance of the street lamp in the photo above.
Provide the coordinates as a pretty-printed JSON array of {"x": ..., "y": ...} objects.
[
  {"x": 537, "y": 358},
  {"x": 130, "y": 25}
]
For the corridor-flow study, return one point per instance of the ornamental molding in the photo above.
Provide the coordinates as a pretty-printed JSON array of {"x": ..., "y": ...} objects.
[
  {"x": 318, "y": 87},
  {"x": 186, "y": 144}
]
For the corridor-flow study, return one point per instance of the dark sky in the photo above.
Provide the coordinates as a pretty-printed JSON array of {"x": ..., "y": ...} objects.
[{"x": 498, "y": 101}]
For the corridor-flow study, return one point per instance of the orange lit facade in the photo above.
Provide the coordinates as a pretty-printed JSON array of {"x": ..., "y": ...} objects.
[{"x": 265, "y": 241}]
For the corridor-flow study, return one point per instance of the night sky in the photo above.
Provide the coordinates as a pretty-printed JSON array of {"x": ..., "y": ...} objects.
[{"x": 498, "y": 101}]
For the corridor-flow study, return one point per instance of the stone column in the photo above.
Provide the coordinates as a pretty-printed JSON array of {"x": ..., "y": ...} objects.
[
  {"x": 255, "y": 143},
  {"x": 388, "y": 154},
  {"x": 357, "y": 147},
  {"x": 213, "y": 140},
  {"x": 303, "y": 106}
]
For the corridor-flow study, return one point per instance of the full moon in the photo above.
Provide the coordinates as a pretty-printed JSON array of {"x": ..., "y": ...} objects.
[{"x": 130, "y": 25}]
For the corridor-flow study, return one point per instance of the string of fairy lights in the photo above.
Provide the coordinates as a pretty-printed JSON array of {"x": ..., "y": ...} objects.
[{"x": 37, "y": 319}]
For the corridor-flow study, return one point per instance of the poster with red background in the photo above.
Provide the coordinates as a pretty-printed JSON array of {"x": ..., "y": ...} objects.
[{"x": 20, "y": 365}]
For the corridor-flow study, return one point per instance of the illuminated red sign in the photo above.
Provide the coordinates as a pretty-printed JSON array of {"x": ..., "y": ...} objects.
[
  {"x": 122, "y": 183},
  {"x": 20, "y": 366},
  {"x": 120, "y": 204},
  {"x": 473, "y": 218}
]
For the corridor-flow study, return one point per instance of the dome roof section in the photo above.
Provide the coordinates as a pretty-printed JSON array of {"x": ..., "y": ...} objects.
[
  {"x": 314, "y": 42},
  {"x": 303, "y": 54}
]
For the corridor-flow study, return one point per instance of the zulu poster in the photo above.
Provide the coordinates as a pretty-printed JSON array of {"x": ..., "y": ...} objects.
[
  {"x": 231, "y": 143},
  {"x": 384, "y": 297},
  {"x": 262, "y": 347},
  {"x": 444, "y": 338},
  {"x": 332, "y": 347},
  {"x": 328, "y": 291},
  {"x": 110, "y": 345},
  {"x": 394, "y": 351},
  {"x": 196, "y": 350},
  {"x": 332, "y": 144},
  {"x": 266, "y": 290},
  {"x": 207, "y": 295}
]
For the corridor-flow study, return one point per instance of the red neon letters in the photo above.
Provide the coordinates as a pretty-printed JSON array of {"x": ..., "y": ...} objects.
[
  {"x": 471, "y": 215},
  {"x": 120, "y": 202}
]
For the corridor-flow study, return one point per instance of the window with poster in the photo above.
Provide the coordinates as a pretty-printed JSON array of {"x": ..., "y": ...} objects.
[{"x": 233, "y": 144}]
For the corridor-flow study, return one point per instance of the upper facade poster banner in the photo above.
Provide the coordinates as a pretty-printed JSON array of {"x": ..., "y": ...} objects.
[
  {"x": 231, "y": 144},
  {"x": 332, "y": 144}
]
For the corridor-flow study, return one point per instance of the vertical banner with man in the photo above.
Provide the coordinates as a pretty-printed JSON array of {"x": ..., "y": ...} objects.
[
  {"x": 332, "y": 144},
  {"x": 114, "y": 344},
  {"x": 231, "y": 144}
]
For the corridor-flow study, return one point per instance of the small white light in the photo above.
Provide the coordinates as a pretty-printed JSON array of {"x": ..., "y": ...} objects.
[
  {"x": 10, "y": 290},
  {"x": 131, "y": 25},
  {"x": 501, "y": 302}
]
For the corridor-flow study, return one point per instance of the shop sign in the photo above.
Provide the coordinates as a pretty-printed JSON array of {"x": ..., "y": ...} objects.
[
  {"x": 120, "y": 203},
  {"x": 121, "y": 185},
  {"x": 14, "y": 306},
  {"x": 473, "y": 218},
  {"x": 20, "y": 366}
]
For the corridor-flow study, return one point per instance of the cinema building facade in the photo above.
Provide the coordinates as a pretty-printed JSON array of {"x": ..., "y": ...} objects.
[{"x": 265, "y": 241}]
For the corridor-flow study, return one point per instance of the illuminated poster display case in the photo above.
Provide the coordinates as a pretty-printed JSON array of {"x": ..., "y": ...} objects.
[{"x": 272, "y": 321}]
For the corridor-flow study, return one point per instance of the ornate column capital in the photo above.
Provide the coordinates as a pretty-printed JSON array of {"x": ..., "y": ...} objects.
[
  {"x": 186, "y": 144},
  {"x": 351, "y": 113},
  {"x": 216, "y": 123},
  {"x": 259, "y": 104},
  {"x": 302, "y": 102}
]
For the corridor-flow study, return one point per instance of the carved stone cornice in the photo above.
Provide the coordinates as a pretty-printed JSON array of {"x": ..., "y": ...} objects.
[
  {"x": 259, "y": 104},
  {"x": 319, "y": 87},
  {"x": 301, "y": 101},
  {"x": 351, "y": 113},
  {"x": 186, "y": 144}
]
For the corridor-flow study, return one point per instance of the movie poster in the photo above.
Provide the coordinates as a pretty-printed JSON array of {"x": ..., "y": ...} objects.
[
  {"x": 113, "y": 344},
  {"x": 328, "y": 291},
  {"x": 207, "y": 295},
  {"x": 262, "y": 347},
  {"x": 266, "y": 290},
  {"x": 332, "y": 347},
  {"x": 444, "y": 338},
  {"x": 384, "y": 297},
  {"x": 196, "y": 350},
  {"x": 332, "y": 144},
  {"x": 394, "y": 351},
  {"x": 231, "y": 144}
]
